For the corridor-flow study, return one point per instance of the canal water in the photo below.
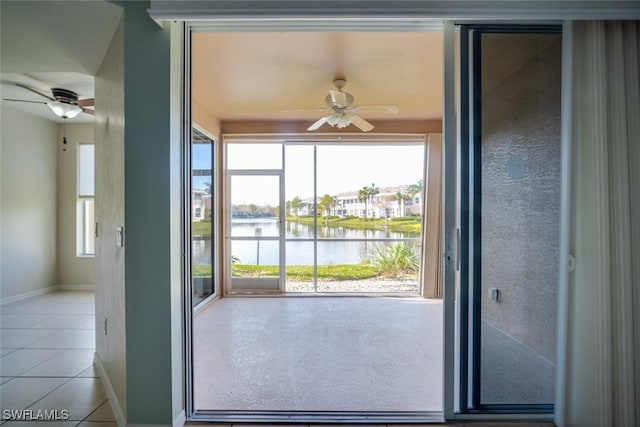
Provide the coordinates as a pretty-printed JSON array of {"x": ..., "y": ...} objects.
[{"x": 297, "y": 252}]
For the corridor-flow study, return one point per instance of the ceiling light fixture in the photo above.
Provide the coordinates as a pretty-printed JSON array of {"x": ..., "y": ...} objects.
[{"x": 64, "y": 110}]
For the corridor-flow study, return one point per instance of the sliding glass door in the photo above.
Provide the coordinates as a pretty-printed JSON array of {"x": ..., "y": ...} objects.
[
  {"x": 509, "y": 216},
  {"x": 254, "y": 210}
]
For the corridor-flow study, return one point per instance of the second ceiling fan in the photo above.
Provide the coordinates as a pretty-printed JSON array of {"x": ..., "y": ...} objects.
[
  {"x": 64, "y": 103},
  {"x": 343, "y": 111}
]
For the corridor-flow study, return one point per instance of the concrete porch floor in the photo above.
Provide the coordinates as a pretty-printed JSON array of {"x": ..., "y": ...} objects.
[{"x": 319, "y": 354}]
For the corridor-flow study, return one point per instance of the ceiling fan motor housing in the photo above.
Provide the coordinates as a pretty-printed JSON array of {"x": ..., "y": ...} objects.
[
  {"x": 65, "y": 95},
  {"x": 331, "y": 104}
]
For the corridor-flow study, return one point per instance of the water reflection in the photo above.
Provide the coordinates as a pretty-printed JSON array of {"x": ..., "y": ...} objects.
[{"x": 297, "y": 253}]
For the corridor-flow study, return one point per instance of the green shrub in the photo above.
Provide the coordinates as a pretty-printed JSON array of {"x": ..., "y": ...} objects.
[{"x": 397, "y": 259}]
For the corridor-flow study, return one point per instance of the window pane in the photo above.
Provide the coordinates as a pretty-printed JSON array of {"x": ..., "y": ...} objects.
[
  {"x": 88, "y": 227},
  {"x": 520, "y": 193},
  {"x": 201, "y": 216},
  {"x": 254, "y": 156},
  {"x": 376, "y": 183},
  {"x": 299, "y": 205},
  {"x": 86, "y": 170}
]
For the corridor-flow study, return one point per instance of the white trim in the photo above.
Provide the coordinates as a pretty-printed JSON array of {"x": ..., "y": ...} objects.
[
  {"x": 30, "y": 294},
  {"x": 111, "y": 394},
  {"x": 565, "y": 224},
  {"x": 328, "y": 138},
  {"x": 180, "y": 419}
]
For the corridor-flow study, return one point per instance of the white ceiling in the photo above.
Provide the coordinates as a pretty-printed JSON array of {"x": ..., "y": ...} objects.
[{"x": 47, "y": 44}]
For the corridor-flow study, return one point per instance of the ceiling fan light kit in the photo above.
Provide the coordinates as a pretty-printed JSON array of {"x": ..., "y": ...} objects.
[
  {"x": 64, "y": 110},
  {"x": 342, "y": 110},
  {"x": 64, "y": 103}
]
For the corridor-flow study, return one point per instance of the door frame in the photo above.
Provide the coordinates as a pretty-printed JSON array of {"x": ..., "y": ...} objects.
[
  {"x": 450, "y": 232},
  {"x": 248, "y": 285}
]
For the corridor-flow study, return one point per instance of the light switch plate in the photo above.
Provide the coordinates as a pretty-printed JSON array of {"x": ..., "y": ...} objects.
[{"x": 120, "y": 236}]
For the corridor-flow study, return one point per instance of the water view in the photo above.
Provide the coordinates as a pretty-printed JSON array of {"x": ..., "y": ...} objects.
[{"x": 298, "y": 253}]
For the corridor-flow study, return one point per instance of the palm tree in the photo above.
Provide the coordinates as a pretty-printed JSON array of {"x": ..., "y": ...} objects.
[
  {"x": 401, "y": 197},
  {"x": 416, "y": 188},
  {"x": 363, "y": 196},
  {"x": 295, "y": 204},
  {"x": 327, "y": 203},
  {"x": 366, "y": 195}
]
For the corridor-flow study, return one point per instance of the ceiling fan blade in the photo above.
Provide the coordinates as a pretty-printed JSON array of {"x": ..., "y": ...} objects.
[
  {"x": 24, "y": 100},
  {"x": 86, "y": 102},
  {"x": 88, "y": 111},
  {"x": 319, "y": 123},
  {"x": 35, "y": 91},
  {"x": 361, "y": 123},
  {"x": 392, "y": 109},
  {"x": 338, "y": 98}
]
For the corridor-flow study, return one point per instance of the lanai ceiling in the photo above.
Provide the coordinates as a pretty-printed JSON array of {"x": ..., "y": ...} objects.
[{"x": 256, "y": 76}]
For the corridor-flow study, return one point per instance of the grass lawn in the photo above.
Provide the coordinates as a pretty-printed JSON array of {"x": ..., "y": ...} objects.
[
  {"x": 403, "y": 224},
  {"x": 299, "y": 272},
  {"x": 201, "y": 228},
  {"x": 410, "y": 225}
]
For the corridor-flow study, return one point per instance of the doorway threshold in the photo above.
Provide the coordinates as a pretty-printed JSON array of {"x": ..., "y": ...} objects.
[{"x": 323, "y": 417}]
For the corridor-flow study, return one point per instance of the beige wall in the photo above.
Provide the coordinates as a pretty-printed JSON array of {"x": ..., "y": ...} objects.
[
  {"x": 72, "y": 269},
  {"x": 204, "y": 120},
  {"x": 28, "y": 203},
  {"x": 382, "y": 126},
  {"x": 109, "y": 265}
]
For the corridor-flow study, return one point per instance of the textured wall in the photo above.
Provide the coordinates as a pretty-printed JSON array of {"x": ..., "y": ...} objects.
[
  {"x": 28, "y": 200},
  {"x": 109, "y": 261},
  {"x": 521, "y": 202}
]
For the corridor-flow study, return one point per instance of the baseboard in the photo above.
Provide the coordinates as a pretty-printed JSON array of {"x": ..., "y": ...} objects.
[
  {"x": 26, "y": 295},
  {"x": 111, "y": 394},
  {"x": 84, "y": 288},
  {"x": 180, "y": 420}
]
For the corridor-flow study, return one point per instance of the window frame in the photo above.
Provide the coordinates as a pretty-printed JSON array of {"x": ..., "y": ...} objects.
[{"x": 85, "y": 207}]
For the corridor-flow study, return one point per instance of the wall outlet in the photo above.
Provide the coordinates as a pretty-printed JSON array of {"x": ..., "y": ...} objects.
[{"x": 494, "y": 294}]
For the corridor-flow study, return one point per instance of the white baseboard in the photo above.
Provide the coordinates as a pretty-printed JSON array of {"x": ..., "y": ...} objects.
[
  {"x": 111, "y": 394},
  {"x": 180, "y": 420},
  {"x": 87, "y": 288},
  {"x": 26, "y": 295}
]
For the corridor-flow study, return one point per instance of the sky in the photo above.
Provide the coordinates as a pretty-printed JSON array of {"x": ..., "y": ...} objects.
[{"x": 340, "y": 168}]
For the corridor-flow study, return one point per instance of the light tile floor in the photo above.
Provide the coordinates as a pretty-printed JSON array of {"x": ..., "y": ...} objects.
[{"x": 47, "y": 344}]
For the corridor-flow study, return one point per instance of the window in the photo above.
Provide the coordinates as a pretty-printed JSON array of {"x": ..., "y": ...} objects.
[
  {"x": 201, "y": 153},
  {"x": 86, "y": 200}
]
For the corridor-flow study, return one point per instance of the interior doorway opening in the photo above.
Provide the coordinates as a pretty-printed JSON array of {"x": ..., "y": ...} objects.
[{"x": 336, "y": 211}]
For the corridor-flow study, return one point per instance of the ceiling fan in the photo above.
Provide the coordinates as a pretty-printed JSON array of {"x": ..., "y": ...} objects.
[
  {"x": 64, "y": 103},
  {"x": 343, "y": 111}
]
